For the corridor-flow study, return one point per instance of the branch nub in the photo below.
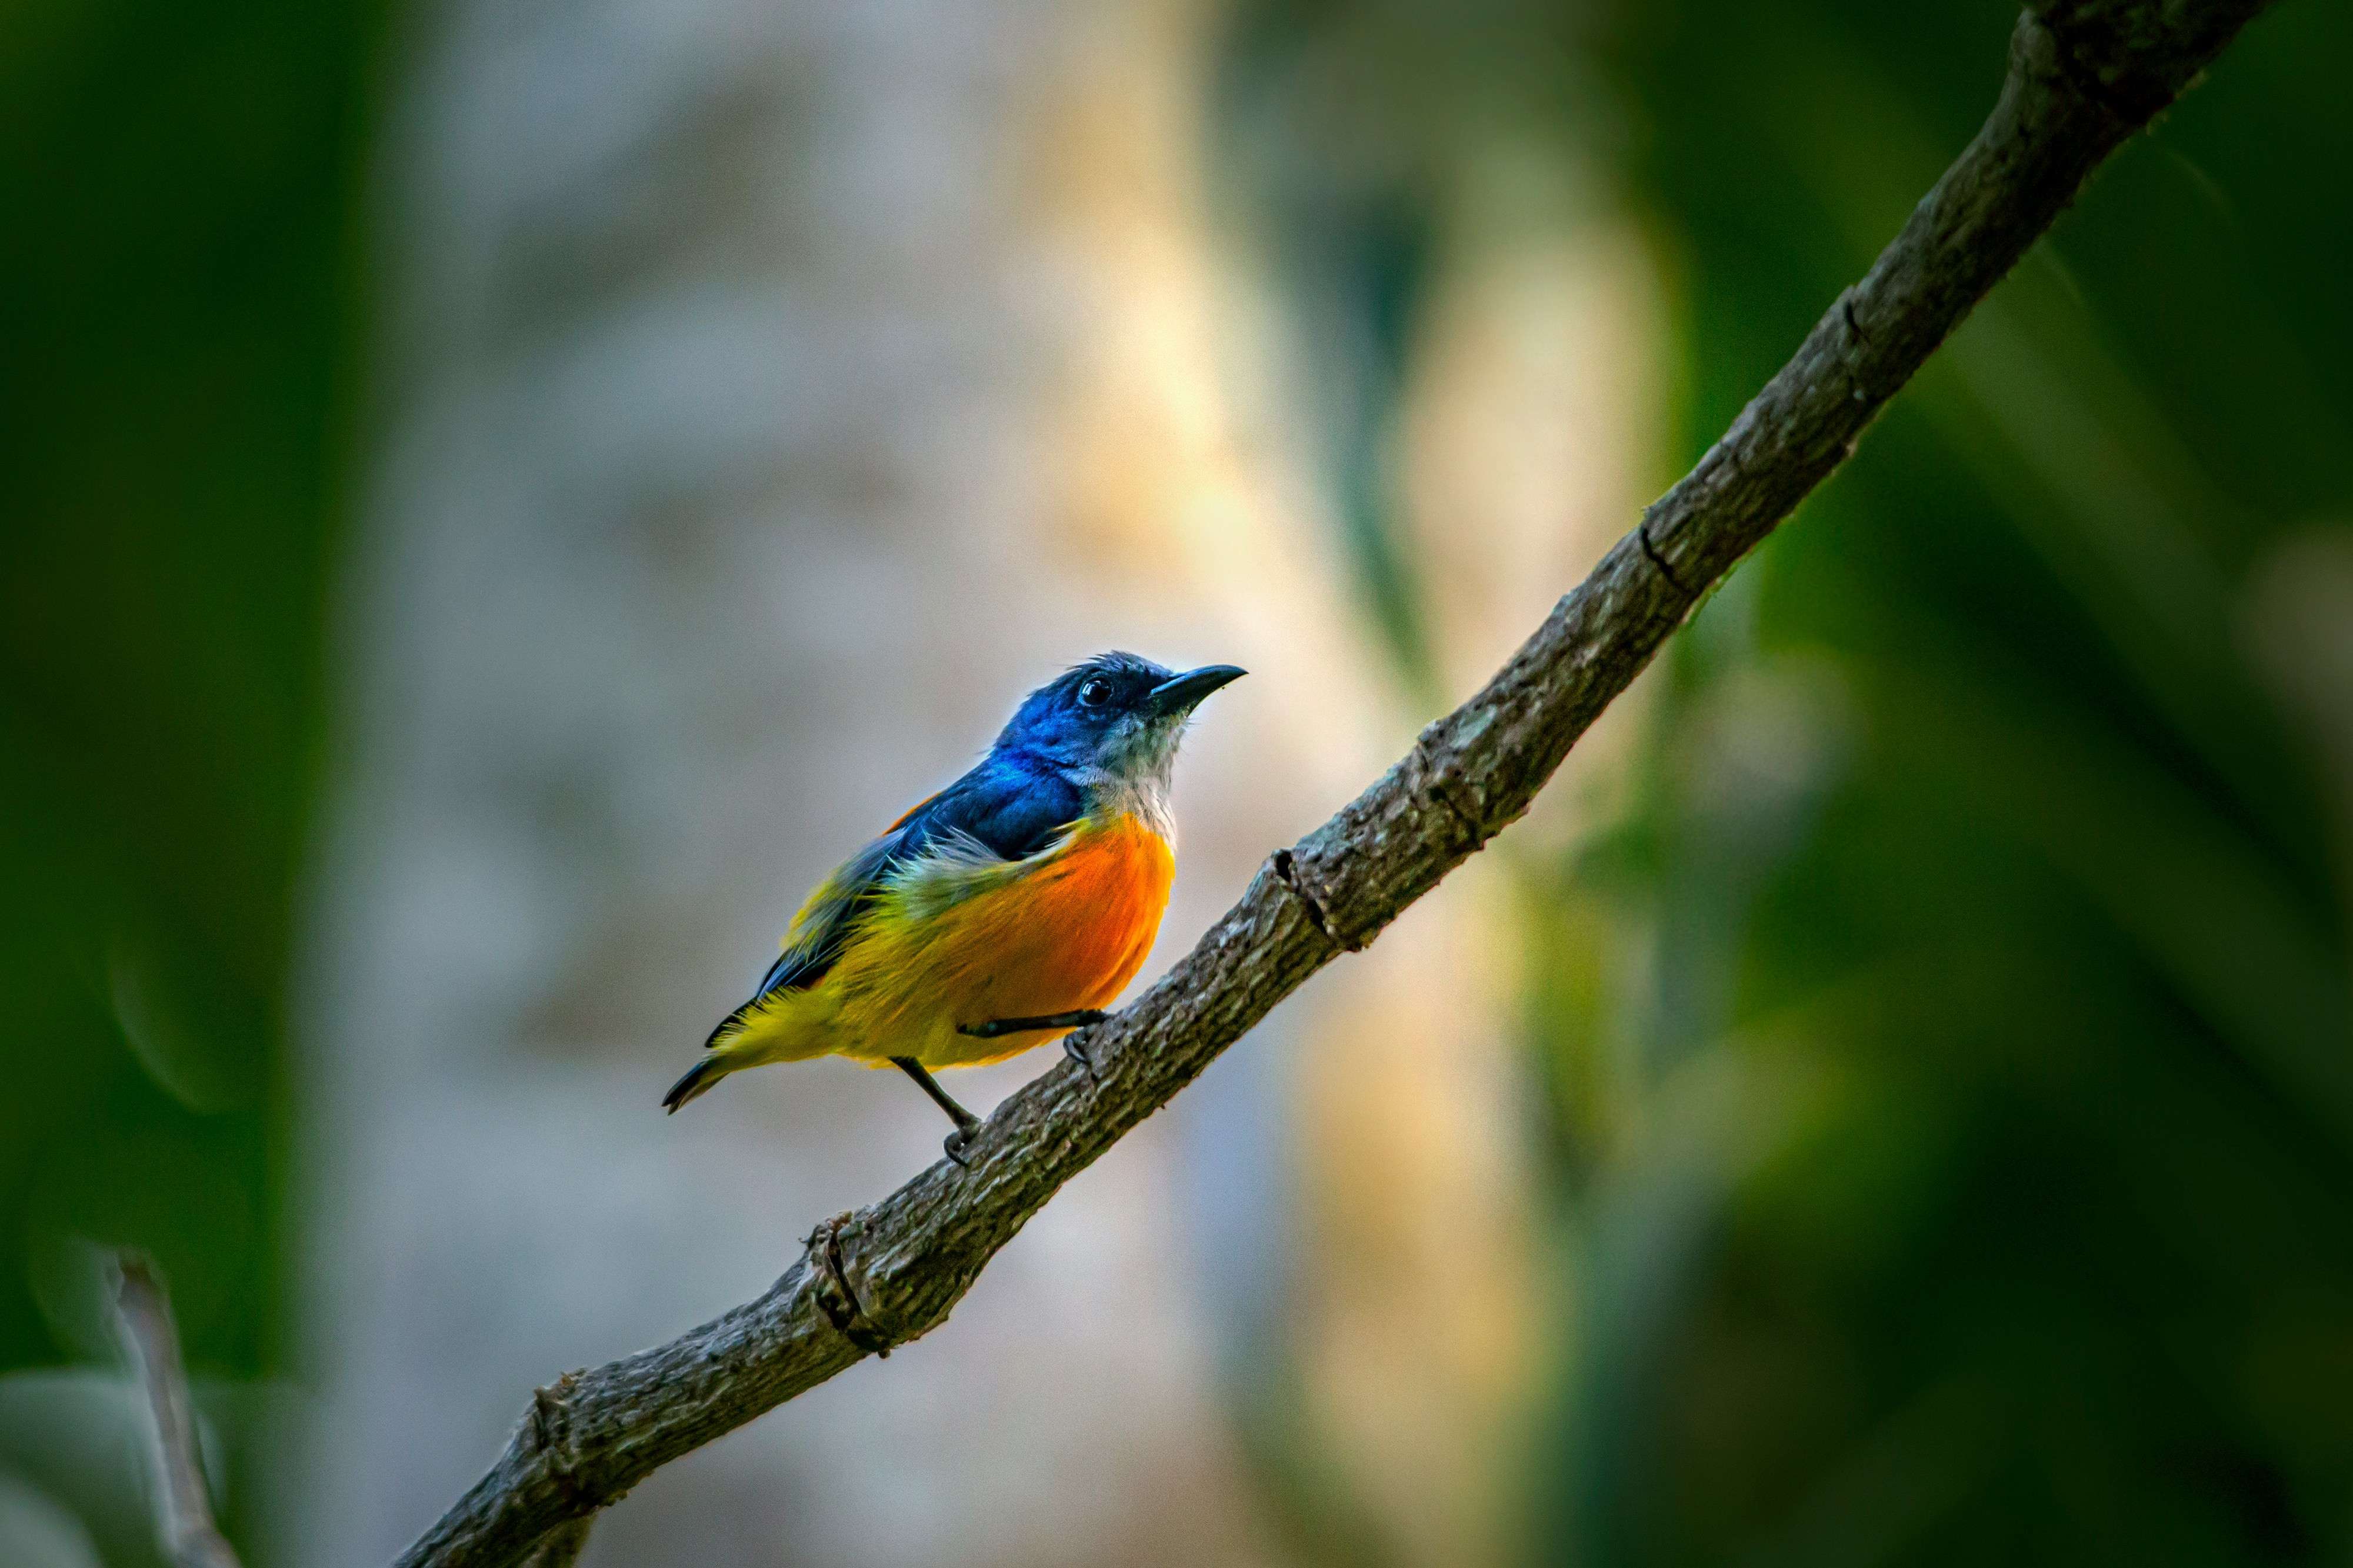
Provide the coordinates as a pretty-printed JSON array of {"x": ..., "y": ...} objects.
[
  {"x": 2133, "y": 59},
  {"x": 550, "y": 1433},
  {"x": 1286, "y": 871},
  {"x": 1656, "y": 561},
  {"x": 835, "y": 1298}
]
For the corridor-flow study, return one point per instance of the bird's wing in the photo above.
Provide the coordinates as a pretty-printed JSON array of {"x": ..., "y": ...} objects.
[
  {"x": 822, "y": 927},
  {"x": 993, "y": 815}
]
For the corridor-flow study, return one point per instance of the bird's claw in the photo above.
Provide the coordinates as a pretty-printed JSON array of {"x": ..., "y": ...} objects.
[
  {"x": 1078, "y": 1053},
  {"x": 955, "y": 1143}
]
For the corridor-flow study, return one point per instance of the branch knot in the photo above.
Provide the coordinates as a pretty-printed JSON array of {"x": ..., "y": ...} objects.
[
  {"x": 550, "y": 1433},
  {"x": 835, "y": 1297},
  {"x": 2098, "y": 55},
  {"x": 1286, "y": 870},
  {"x": 1442, "y": 784},
  {"x": 1650, "y": 552}
]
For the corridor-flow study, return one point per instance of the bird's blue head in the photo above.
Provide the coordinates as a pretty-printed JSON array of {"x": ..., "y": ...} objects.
[{"x": 1113, "y": 720}]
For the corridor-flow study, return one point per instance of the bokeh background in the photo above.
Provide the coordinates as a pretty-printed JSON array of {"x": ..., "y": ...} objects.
[{"x": 498, "y": 498}]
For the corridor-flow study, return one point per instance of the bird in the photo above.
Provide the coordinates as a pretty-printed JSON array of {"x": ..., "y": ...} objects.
[{"x": 1001, "y": 913}]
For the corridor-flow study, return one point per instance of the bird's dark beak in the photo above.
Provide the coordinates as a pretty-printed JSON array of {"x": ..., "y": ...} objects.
[{"x": 1183, "y": 693}]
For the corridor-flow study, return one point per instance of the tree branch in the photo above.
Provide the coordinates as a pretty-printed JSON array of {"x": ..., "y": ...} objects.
[
  {"x": 183, "y": 1508},
  {"x": 2083, "y": 76}
]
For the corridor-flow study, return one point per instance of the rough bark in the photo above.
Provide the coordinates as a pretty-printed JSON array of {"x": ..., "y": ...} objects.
[{"x": 2083, "y": 76}]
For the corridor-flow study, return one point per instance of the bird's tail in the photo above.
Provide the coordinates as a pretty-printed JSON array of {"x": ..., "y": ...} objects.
[
  {"x": 698, "y": 1079},
  {"x": 717, "y": 1061}
]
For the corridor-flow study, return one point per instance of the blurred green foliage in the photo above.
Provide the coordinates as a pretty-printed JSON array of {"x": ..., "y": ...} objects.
[
  {"x": 1956, "y": 1124},
  {"x": 177, "y": 277}
]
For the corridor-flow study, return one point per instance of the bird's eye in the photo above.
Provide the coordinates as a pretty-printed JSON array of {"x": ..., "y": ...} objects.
[{"x": 1094, "y": 693}]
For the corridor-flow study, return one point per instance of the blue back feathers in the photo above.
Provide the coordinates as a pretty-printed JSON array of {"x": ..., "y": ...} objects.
[{"x": 1013, "y": 808}]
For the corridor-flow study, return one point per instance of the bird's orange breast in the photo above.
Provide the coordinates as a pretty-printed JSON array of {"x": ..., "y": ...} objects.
[
  {"x": 1067, "y": 931},
  {"x": 1098, "y": 905}
]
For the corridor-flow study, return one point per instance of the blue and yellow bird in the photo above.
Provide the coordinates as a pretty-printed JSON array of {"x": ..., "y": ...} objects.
[{"x": 1005, "y": 912}]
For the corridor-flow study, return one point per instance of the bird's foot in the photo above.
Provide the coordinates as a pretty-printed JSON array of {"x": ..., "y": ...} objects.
[
  {"x": 1078, "y": 1053},
  {"x": 966, "y": 1123},
  {"x": 958, "y": 1141}
]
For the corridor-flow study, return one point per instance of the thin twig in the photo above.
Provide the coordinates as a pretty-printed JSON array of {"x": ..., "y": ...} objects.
[
  {"x": 150, "y": 1341},
  {"x": 2083, "y": 76}
]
